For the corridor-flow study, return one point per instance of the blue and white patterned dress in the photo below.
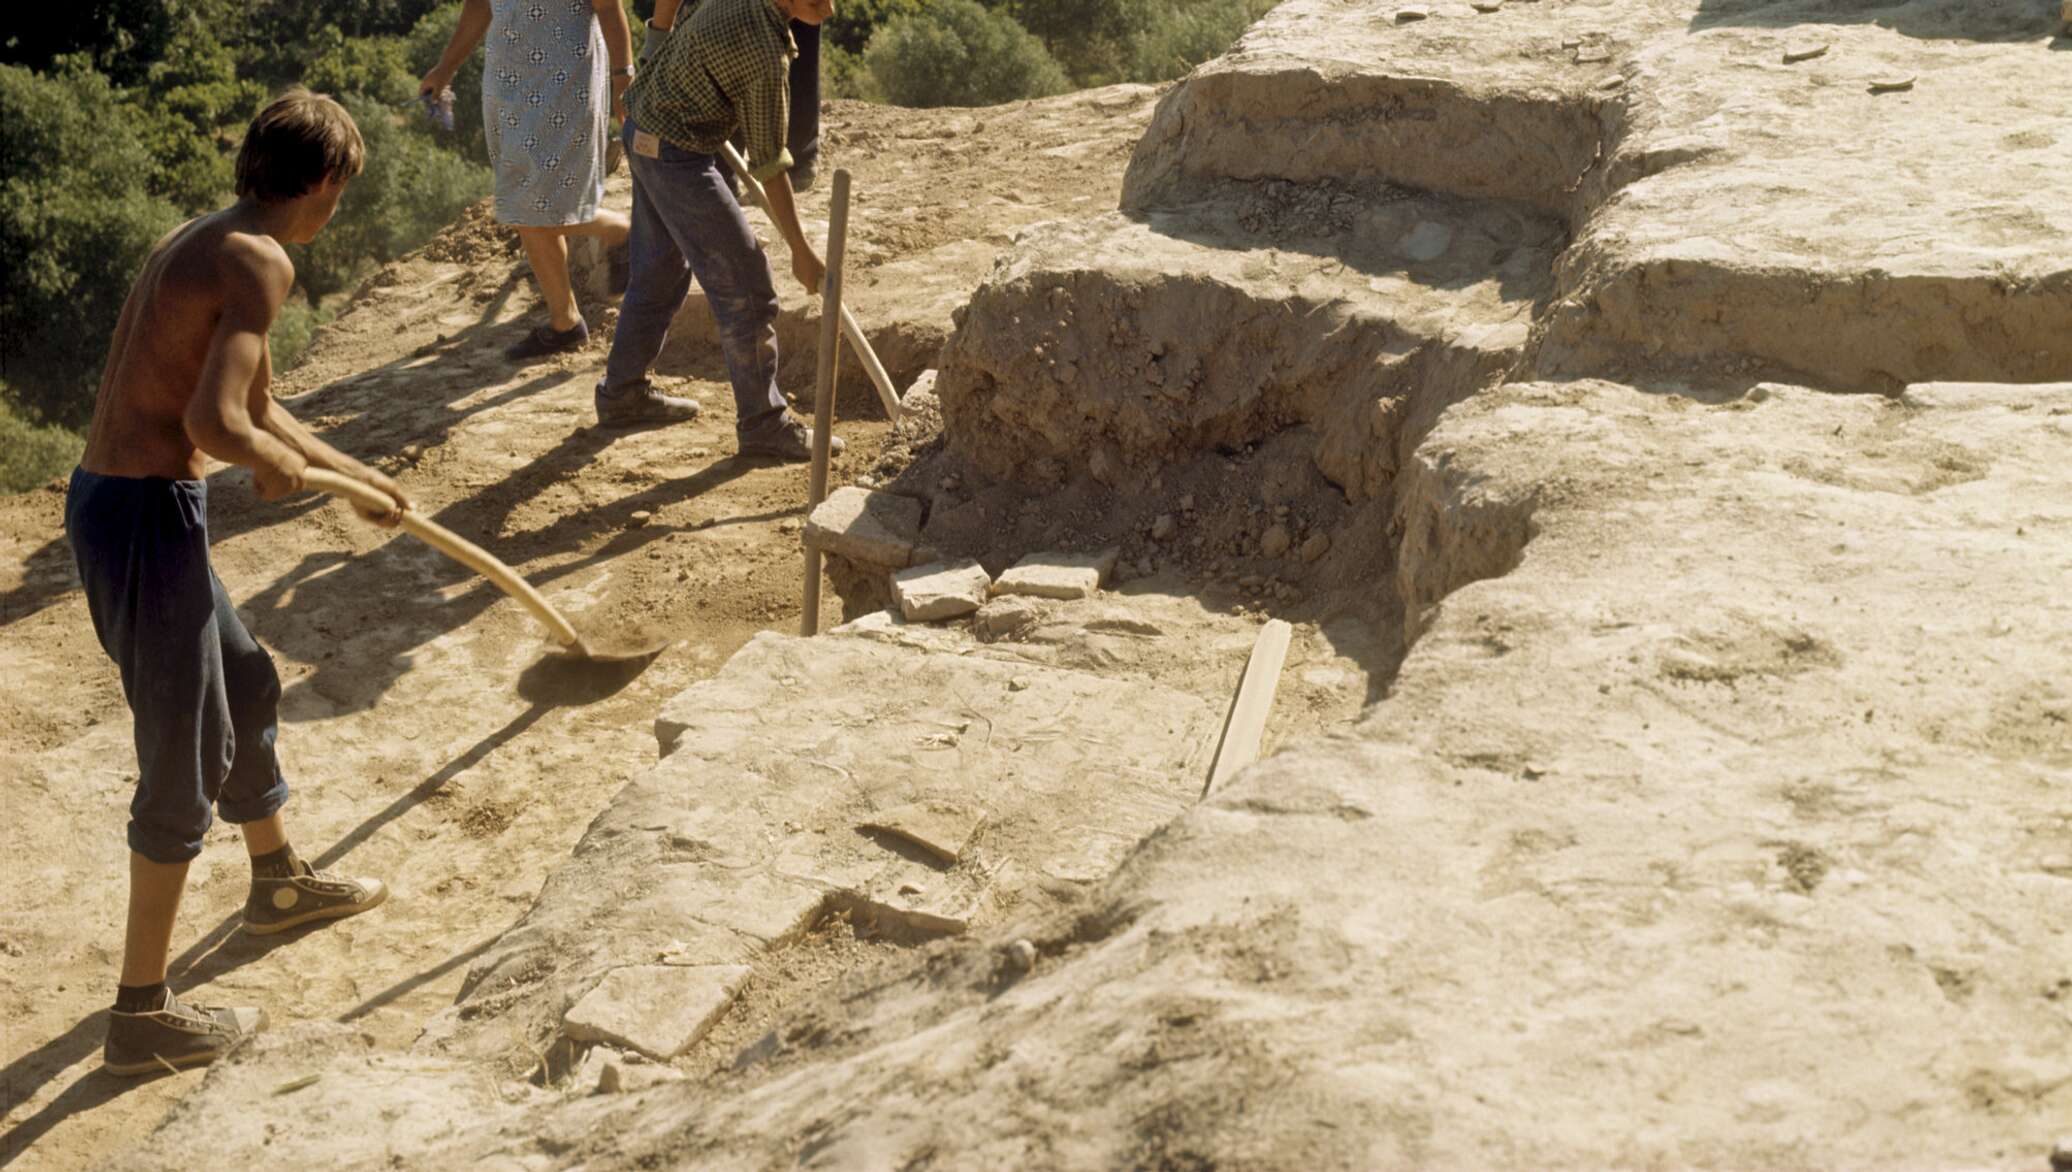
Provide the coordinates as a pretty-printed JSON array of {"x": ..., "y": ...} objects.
[{"x": 546, "y": 92}]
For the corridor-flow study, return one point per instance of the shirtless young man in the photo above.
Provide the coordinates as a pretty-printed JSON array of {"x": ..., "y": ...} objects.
[{"x": 187, "y": 379}]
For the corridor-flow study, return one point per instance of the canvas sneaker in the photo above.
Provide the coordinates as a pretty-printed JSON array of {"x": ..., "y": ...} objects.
[
  {"x": 175, "y": 1035},
  {"x": 277, "y": 905}
]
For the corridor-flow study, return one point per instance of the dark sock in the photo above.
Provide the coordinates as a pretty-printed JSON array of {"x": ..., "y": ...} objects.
[
  {"x": 139, "y": 998},
  {"x": 278, "y": 864}
]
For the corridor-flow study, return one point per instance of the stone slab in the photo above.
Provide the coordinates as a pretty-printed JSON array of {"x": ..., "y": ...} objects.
[
  {"x": 940, "y": 590},
  {"x": 857, "y": 523},
  {"x": 1058, "y": 575},
  {"x": 938, "y": 827},
  {"x": 659, "y": 1010}
]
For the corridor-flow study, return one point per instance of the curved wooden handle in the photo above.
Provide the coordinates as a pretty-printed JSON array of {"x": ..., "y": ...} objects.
[{"x": 451, "y": 544}]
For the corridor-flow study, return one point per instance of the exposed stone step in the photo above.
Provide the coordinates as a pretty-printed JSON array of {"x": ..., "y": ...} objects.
[
  {"x": 1114, "y": 345},
  {"x": 1785, "y": 217},
  {"x": 1483, "y": 105}
]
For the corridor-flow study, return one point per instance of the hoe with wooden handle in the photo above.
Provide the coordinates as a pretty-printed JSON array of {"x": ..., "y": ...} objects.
[{"x": 483, "y": 562}]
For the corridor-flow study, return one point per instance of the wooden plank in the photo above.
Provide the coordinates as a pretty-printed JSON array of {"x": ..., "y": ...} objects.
[{"x": 1244, "y": 726}]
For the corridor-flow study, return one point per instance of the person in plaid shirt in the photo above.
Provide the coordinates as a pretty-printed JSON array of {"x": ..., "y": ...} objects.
[{"x": 723, "y": 66}]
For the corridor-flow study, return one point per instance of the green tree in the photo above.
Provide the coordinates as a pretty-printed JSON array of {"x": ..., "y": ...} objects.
[
  {"x": 372, "y": 67},
  {"x": 76, "y": 221},
  {"x": 122, "y": 37},
  {"x": 959, "y": 53},
  {"x": 188, "y": 105},
  {"x": 1180, "y": 36}
]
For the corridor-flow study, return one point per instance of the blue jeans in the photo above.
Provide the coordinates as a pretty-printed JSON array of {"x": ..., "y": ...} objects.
[
  {"x": 686, "y": 222},
  {"x": 202, "y": 692}
]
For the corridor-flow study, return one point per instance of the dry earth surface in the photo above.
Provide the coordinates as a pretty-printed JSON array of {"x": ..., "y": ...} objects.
[{"x": 1655, "y": 417}]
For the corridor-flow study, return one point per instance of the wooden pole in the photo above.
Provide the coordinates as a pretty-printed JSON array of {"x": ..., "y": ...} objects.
[
  {"x": 824, "y": 385},
  {"x": 851, "y": 328}
]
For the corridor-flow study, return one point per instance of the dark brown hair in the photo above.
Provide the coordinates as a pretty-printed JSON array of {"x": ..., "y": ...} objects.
[{"x": 299, "y": 140}]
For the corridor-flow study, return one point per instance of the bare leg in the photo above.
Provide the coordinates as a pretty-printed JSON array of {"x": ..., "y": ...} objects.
[
  {"x": 548, "y": 252},
  {"x": 154, "y": 904},
  {"x": 609, "y": 226},
  {"x": 265, "y": 836}
]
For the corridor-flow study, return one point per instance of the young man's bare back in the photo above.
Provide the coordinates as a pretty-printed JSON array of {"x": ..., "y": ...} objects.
[{"x": 188, "y": 379}]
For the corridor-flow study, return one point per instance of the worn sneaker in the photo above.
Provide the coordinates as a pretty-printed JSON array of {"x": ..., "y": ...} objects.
[
  {"x": 791, "y": 442},
  {"x": 175, "y": 1035},
  {"x": 803, "y": 174},
  {"x": 277, "y": 905},
  {"x": 643, "y": 408},
  {"x": 544, "y": 341}
]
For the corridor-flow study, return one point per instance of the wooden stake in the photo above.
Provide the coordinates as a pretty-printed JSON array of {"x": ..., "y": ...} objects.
[
  {"x": 851, "y": 328},
  {"x": 824, "y": 386},
  {"x": 1245, "y": 724}
]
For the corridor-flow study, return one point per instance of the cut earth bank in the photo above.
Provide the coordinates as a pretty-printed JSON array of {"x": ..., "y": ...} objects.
[{"x": 1697, "y": 502}]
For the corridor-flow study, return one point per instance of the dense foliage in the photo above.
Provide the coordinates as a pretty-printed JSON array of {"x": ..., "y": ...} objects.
[{"x": 119, "y": 119}]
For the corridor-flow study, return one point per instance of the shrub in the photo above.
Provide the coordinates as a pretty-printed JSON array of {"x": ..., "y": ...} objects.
[
  {"x": 1181, "y": 36},
  {"x": 293, "y": 329},
  {"x": 32, "y": 454},
  {"x": 377, "y": 68},
  {"x": 410, "y": 190},
  {"x": 75, "y": 224},
  {"x": 957, "y": 53}
]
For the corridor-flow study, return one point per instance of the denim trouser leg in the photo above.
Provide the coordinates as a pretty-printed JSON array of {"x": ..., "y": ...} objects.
[
  {"x": 202, "y": 692},
  {"x": 686, "y": 222}
]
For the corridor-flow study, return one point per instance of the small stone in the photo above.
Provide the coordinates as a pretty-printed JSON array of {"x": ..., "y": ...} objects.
[
  {"x": 1018, "y": 684},
  {"x": 638, "y": 518},
  {"x": 1020, "y": 956},
  {"x": 1058, "y": 575},
  {"x": 2061, "y": 1154},
  {"x": 623, "y": 1077},
  {"x": 1488, "y": 5},
  {"x": 1187, "y": 503},
  {"x": 1412, "y": 12},
  {"x": 1808, "y": 52},
  {"x": 1004, "y": 619},
  {"x": 1276, "y": 541},
  {"x": 1428, "y": 241},
  {"x": 1317, "y": 546},
  {"x": 940, "y": 590},
  {"x": 1892, "y": 85},
  {"x": 1164, "y": 527}
]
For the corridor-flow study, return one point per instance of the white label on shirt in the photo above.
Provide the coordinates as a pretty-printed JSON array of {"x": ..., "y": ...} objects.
[{"x": 647, "y": 146}]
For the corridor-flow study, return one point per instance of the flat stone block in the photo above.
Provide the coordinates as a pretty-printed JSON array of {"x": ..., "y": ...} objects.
[
  {"x": 940, "y": 828},
  {"x": 1005, "y": 618},
  {"x": 659, "y": 1010},
  {"x": 876, "y": 527},
  {"x": 1058, "y": 575},
  {"x": 942, "y": 590}
]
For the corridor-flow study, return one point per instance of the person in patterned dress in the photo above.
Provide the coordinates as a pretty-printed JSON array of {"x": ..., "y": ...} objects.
[{"x": 550, "y": 67}]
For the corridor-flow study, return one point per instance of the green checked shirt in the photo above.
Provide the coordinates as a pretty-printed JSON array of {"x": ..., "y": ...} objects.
[{"x": 726, "y": 64}]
